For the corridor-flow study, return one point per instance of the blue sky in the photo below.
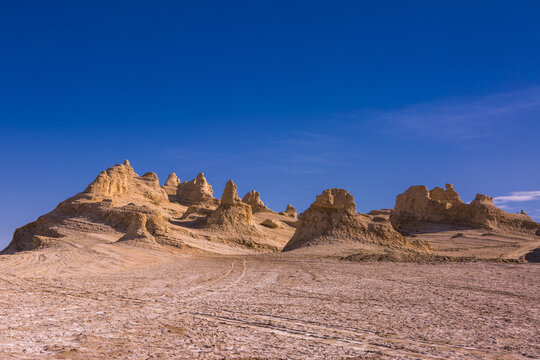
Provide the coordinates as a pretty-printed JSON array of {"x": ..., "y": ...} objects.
[{"x": 287, "y": 98}]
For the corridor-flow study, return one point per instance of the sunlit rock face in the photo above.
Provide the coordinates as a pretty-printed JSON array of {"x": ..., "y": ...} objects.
[{"x": 418, "y": 206}]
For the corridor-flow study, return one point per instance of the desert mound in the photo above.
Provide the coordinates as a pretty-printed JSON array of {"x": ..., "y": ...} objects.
[
  {"x": 118, "y": 200},
  {"x": 419, "y": 210},
  {"x": 332, "y": 221},
  {"x": 122, "y": 207}
]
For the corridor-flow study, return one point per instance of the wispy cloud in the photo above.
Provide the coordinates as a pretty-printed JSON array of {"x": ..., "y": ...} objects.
[
  {"x": 518, "y": 196},
  {"x": 459, "y": 119}
]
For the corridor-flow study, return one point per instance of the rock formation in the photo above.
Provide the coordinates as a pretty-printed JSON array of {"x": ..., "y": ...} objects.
[
  {"x": 381, "y": 212},
  {"x": 122, "y": 180},
  {"x": 232, "y": 214},
  {"x": 125, "y": 207},
  {"x": 171, "y": 185},
  {"x": 253, "y": 199},
  {"x": 80, "y": 214},
  {"x": 269, "y": 223},
  {"x": 290, "y": 211},
  {"x": 196, "y": 191},
  {"x": 109, "y": 203},
  {"x": 332, "y": 218},
  {"x": 448, "y": 195},
  {"x": 418, "y": 208}
]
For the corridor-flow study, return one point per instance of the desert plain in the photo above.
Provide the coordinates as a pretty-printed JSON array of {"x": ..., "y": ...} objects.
[{"x": 125, "y": 270}]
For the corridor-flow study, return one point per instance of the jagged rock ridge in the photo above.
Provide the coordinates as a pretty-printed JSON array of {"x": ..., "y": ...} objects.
[
  {"x": 196, "y": 191},
  {"x": 121, "y": 206},
  {"x": 121, "y": 179},
  {"x": 332, "y": 218},
  {"x": 418, "y": 207},
  {"x": 253, "y": 199},
  {"x": 289, "y": 211}
]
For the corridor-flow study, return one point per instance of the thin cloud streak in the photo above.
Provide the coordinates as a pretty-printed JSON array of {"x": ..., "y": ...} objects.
[
  {"x": 462, "y": 119},
  {"x": 518, "y": 196}
]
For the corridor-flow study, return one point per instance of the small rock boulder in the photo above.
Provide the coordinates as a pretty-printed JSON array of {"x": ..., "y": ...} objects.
[{"x": 269, "y": 223}]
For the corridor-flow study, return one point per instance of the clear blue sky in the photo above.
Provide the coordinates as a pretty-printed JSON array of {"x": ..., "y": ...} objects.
[{"x": 288, "y": 98}]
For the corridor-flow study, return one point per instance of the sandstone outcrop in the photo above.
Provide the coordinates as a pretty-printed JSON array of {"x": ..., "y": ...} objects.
[
  {"x": 171, "y": 185},
  {"x": 232, "y": 214},
  {"x": 418, "y": 209},
  {"x": 253, "y": 199},
  {"x": 121, "y": 206},
  {"x": 118, "y": 200},
  {"x": 269, "y": 223},
  {"x": 332, "y": 218},
  {"x": 80, "y": 214},
  {"x": 381, "y": 212},
  {"x": 447, "y": 195},
  {"x": 121, "y": 179},
  {"x": 196, "y": 191},
  {"x": 289, "y": 211}
]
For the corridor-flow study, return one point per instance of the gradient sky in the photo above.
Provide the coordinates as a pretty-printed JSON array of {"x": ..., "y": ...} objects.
[{"x": 287, "y": 98}]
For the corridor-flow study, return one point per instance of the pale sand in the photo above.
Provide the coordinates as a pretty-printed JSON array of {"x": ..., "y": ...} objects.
[{"x": 123, "y": 302}]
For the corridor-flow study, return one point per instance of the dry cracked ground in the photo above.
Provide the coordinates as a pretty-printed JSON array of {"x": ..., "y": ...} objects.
[{"x": 130, "y": 303}]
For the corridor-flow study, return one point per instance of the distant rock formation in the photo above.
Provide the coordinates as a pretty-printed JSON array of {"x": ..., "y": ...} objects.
[
  {"x": 171, "y": 185},
  {"x": 196, "y": 191},
  {"x": 107, "y": 204},
  {"x": 81, "y": 214},
  {"x": 290, "y": 211},
  {"x": 121, "y": 179},
  {"x": 418, "y": 207},
  {"x": 125, "y": 207},
  {"x": 253, "y": 199},
  {"x": 332, "y": 218},
  {"x": 447, "y": 195},
  {"x": 381, "y": 212},
  {"x": 232, "y": 214}
]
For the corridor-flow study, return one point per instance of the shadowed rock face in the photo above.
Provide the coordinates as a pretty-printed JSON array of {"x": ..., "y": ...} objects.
[
  {"x": 253, "y": 199},
  {"x": 196, "y": 191},
  {"x": 417, "y": 207},
  {"x": 332, "y": 218}
]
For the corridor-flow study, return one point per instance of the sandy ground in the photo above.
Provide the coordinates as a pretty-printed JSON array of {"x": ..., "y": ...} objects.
[
  {"x": 129, "y": 303},
  {"x": 482, "y": 244}
]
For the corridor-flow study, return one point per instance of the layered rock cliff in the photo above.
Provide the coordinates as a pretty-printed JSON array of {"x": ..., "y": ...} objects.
[
  {"x": 118, "y": 199},
  {"x": 418, "y": 208},
  {"x": 332, "y": 218},
  {"x": 197, "y": 191}
]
